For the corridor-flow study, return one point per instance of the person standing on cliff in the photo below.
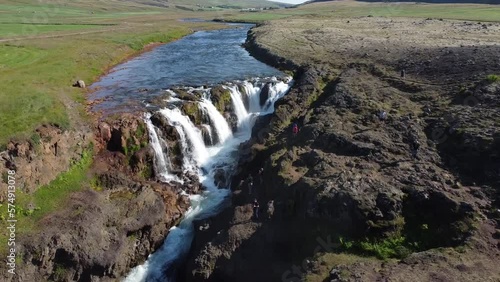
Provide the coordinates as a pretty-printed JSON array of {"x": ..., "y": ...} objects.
[
  {"x": 295, "y": 129},
  {"x": 382, "y": 116},
  {"x": 270, "y": 209},
  {"x": 261, "y": 176},
  {"x": 250, "y": 184},
  {"x": 256, "y": 209}
]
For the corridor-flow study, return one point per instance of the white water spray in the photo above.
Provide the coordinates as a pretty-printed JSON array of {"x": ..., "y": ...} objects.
[
  {"x": 217, "y": 120},
  {"x": 161, "y": 265}
]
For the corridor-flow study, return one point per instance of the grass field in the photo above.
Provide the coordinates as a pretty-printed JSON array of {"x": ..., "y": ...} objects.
[
  {"x": 36, "y": 73},
  {"x": 474, "y": 12}
]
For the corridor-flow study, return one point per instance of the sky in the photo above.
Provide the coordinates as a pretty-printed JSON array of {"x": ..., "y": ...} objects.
[{"x": 291, "y": 1}]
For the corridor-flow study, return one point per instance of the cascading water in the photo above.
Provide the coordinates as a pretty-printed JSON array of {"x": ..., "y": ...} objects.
[
  {"x": 210, "y": 138},
  {"x": 162, "y": 163},
  {"x": 239, "y": 107},
  {"x": 198, "y": 153},
  {"x": 252, "y": 93},
  {"x": 217, "y": 120},
  {"x": 205, "y": 162}
]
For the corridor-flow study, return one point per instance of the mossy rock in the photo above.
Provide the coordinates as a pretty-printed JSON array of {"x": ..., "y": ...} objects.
[
  {"x": 242, "y": 89},
  {"x": 192, "y": 110},
  {"x": 185, "y": 95},
  {"x": 221, "y": 98}
]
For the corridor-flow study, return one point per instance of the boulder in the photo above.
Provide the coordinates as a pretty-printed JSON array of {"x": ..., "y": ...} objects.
[
  {"x": 79, "y": 83},
  {"x": 105, "y": 131}
]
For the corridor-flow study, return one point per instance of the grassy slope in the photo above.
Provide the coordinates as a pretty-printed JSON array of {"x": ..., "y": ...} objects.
[
  {"x": 36, "y": 74},
  {"x": 359, "y": 9},
  {"x": 46, "y": 199}
]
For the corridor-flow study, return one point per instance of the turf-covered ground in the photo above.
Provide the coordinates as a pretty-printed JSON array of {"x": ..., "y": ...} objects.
[
  {"x": 45, "y": 48},
  {"x": 476, "y": 12}
]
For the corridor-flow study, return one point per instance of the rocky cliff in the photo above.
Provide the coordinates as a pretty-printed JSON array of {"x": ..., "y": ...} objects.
[
  {"x": 119, "y": 217},
  {"x": 417, "y": 184}
]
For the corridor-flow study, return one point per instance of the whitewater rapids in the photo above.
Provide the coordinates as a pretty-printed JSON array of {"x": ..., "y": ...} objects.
[{"x": 202, "y": 160}]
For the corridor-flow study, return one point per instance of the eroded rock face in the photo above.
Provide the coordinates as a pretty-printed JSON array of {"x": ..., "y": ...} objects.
[
  {"x": 121, "y": 215},
  {"x": 346, "y": 173},
  {"x": 101, "y": 235},
  {"x": 468, "y": 135},
  {"x": 39, "y": 160}
]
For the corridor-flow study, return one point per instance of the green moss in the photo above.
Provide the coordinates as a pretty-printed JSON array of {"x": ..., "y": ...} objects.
[
  {"x": 192, "y": 111},
  {"x": 137, "y": 141},
  {"x": 141, "y": 130},
  {"x": 131, "y": 147},
  {"x": 221, "y": 97},
  {"x": 242, "y": 89},
  {"x": 60, "y": 273},
  {"x": 122, "y": 195},
  {"x": 35, "y": 139},
  {"x": 133, "y": 237},
  {"x": 147, "y": 172},
  {"x": 492, "y": 78},
  {"x": 95, "y": 184},
  {"x": 393, "y": 247}
]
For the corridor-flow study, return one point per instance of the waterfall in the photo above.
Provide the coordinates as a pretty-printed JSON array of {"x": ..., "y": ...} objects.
[
  {"x": 192, "y": 142},
  {"x": 222, "y": 129},
  {"x": 210, "y": 135},
  {"x": 253, "y": 92},
  {"x": 239, "y": 107},
  {"x": 277, "y": 91},
  {"x": 206, "y": 162},
  {"x": 161, "y": 161}
]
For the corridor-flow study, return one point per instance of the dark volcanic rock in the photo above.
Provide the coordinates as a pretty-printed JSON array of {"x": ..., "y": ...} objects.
[
  {"x": 92, "y": 239},
  {"x": 346, "y": 173},
  {"x": 264, "y": 93}
]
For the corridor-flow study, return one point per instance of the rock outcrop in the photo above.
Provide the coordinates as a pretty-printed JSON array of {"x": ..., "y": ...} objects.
[
  {"x": 110, "y": 225},
  {"x": 49, "y": 151},
  {"x": 425, "y": 176}
]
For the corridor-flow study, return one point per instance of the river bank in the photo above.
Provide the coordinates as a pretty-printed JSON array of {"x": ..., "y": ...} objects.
[
  {"x": 56, "y": 163},
  {"x": 350, "y": 185},
  {"x": 126, "y": 202}
]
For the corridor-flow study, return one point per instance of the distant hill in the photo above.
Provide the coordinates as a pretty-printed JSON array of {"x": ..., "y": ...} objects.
[
  {"x": 422, "y": 1},
  {"x": 236, "y": 4},
  {"x": 191, "y": 4}
]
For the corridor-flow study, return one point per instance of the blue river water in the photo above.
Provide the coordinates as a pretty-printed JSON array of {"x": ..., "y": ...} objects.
[{"x": 202, "y": 58}]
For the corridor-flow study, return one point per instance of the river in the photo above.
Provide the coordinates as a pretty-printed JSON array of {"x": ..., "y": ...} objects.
[
  {"x": 202, "y": 58},
  {"x": 196, "y": 63}
]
